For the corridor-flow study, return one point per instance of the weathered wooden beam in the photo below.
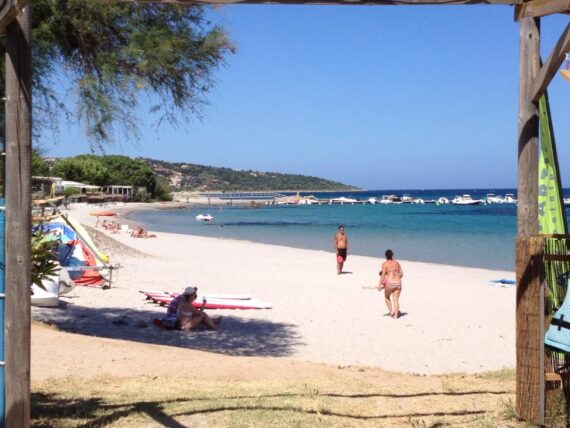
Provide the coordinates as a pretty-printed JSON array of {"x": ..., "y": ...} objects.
[
  {"x": 530, "y": 330},
  {"x": 9, "y": 10},
  {"x": 538, "y": 8},
  {"x": 527, "y": 218},
  {"x": 530, "y": 307},
  {"x": 339, "y": 2},
  {"x": 552, "y": 64},
  {"x": 18, "y": 220}
]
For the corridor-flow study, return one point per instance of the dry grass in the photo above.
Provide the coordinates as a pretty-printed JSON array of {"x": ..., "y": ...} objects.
[{"x": 345, "y": 398}]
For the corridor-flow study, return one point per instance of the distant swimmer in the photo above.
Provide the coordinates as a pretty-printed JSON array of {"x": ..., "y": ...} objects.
[{"x": 341, "y": 248}]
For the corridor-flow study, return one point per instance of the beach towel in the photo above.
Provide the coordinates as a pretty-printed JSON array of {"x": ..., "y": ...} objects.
[{"x": 504, "y": 281}]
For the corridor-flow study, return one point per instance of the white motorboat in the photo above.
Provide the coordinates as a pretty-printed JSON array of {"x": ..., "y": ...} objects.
[
  {"x": 510, "y": 199},
  {"x": 442, "y": 201},
  {"x": 491, "y": 198},
  {"x": 342, "y": 200},
  {"x": 205, "y": 217},
  {"x": 418, "y": 201},
  {"x": 372, "y": 200},
  {"x": 406, "y": 198},
  {"x": 390, "y": 199},
  {"x": 466, "y": 200}
]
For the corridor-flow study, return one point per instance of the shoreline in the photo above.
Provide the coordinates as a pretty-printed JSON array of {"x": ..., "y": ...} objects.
[
  {"x": 450, "y": 314},
  {"x": 125, "y": 214}
]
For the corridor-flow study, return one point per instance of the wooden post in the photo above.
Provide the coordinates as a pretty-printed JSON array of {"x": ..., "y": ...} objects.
[
  {"x": 530, "y": 296},
  {"x": 530, "y": 330},
  {"x": 18, "y": 219}
]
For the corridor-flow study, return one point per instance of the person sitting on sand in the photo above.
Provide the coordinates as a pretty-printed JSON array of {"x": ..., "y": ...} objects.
[
  {"x": 140, "y": 232},
  {"x": 391, "y": 281},
  {"x": 186, "y": 315}
]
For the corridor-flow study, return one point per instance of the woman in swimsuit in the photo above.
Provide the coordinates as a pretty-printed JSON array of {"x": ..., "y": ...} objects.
[
  {"x": 391, "y": 280},
  {"x": 190, "y": 317}
]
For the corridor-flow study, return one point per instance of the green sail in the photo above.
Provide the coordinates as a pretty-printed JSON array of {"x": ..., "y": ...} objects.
[{"x": 551, "y": 213}]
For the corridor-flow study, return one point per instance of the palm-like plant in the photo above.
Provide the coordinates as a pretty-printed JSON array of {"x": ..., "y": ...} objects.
[{"x": 44, "y": 257}]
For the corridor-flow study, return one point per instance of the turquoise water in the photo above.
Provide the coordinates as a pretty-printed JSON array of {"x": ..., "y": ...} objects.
[{"x": 477, "y": 236}]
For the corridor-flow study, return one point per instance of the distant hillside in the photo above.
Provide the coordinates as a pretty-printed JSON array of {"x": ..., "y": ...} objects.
[{"x": 187, "y": 176}]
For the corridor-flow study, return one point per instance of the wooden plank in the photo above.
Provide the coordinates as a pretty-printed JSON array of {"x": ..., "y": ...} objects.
[
  {"x": 553, "y": 63},
  {"x": 18, "y": 224},
  {"x": 10, "y": 10},
  {"x": 530, "y": 330},
  {"x": 342, "y": 2},
  {"x": 527, "y": 209},
  {"x": 538, "y": 8}
]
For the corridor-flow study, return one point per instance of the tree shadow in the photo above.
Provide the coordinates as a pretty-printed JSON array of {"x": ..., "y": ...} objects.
[
  {"x": 95, "y": 411},
  {"x": 236, "y": 336}
]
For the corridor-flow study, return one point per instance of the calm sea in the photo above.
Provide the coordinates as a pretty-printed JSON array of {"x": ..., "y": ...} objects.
[{"x": 477, "y": 236}]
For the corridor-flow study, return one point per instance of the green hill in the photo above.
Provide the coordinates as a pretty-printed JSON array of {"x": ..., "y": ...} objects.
[{"x": 187, "y": 176}]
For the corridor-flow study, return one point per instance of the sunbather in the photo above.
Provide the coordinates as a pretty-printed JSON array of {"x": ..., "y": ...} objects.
[
  {"x": 140, "y": 232},
  {"x": 186, "y": 315}
]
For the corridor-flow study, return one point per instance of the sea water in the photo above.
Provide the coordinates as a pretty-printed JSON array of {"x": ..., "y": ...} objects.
[{"x": 475, "y": 235}]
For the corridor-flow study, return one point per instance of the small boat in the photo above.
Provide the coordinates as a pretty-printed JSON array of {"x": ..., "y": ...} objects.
[
  {"x": 510, "y": 199},
  {"x": 342, "y": 200},
  {"x": 390, "y": 199},
  {"x": 204, "y": 217},
  {"x": 466, "y": 200},
  {"x": 372, "y": 200},
  {"x": 406, "y": 198},
  {"x": 491, "y": 198},
  {"x": 442, "y": 201},
  {"x": 418, "y": 201}
]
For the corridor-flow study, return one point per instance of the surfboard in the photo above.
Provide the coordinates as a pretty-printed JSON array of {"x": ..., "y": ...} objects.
[
  {"x": 216, "y": 303},
  {"x": 200, "y": 296}
]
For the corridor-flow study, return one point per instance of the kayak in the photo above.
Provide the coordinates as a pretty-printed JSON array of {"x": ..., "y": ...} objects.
[{"x": 103, "y": 213}]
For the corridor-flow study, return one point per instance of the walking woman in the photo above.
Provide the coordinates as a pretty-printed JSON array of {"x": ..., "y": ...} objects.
[{"x": 391, "y": 281}]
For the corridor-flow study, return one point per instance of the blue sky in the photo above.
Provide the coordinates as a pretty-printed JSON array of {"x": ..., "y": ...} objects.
[{"x": 378, "y": 97}]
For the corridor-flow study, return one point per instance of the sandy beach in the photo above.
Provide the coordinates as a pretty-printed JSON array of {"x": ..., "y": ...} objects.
[{"x": 453, "y": 319}]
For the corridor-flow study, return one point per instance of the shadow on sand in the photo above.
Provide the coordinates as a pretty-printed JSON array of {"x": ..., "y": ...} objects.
[
  {"x": 236, "y": 336},
  {"x": 97, "y": 412}
]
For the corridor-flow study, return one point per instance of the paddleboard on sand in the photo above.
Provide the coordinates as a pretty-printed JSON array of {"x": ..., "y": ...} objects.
[
  {"x": 200, "y": 296},
  {"x": 215, "y": 303}
]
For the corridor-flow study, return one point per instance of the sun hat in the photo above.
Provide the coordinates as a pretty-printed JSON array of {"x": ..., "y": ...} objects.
[{"x": 189, "y": 291}]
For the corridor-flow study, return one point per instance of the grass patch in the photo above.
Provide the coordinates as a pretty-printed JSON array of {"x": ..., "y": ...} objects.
[{"x": 340, "y": 400}]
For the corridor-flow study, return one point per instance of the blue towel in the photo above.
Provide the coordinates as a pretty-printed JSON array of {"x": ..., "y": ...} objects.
[{"x": 504, "y": 281}]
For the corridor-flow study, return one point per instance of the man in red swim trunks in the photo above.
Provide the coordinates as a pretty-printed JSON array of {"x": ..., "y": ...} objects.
[{"x": 341, "y": 248}]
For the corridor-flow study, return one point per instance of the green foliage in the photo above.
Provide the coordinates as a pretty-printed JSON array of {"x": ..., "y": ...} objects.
[
  {"x": 39, "y": 165},
  {"x": 200, "y": 177},
  {"x": 162, "y": 190},
  {"x": 114, "y": 54},
  {"x": 69, "y": 191},
  {"x": 85, "y": 169},
  {"x": 114, "y": 170},
  {"x": 44, "y": 257}
]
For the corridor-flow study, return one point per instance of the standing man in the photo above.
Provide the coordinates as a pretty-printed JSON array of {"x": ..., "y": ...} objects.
[{"x": 341, "y": 248}]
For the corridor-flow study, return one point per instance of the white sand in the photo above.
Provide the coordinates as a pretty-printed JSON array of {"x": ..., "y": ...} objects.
[{"x": 453, "y": 319}]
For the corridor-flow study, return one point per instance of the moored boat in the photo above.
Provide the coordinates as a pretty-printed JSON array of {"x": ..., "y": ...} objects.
[
  {"x": 442, "y": 201},
  {"x": 491, "y": 198},
  {"x": 466, "y": 200},
  {"x": 205, "y": 217}
]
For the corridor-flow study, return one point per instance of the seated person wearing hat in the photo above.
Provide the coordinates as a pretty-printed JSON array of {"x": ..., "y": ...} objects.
[{"x": 187, "y": 317}]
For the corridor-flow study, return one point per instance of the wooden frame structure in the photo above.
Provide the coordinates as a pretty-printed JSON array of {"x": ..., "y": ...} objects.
[{"x": 15, "y": 21}]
